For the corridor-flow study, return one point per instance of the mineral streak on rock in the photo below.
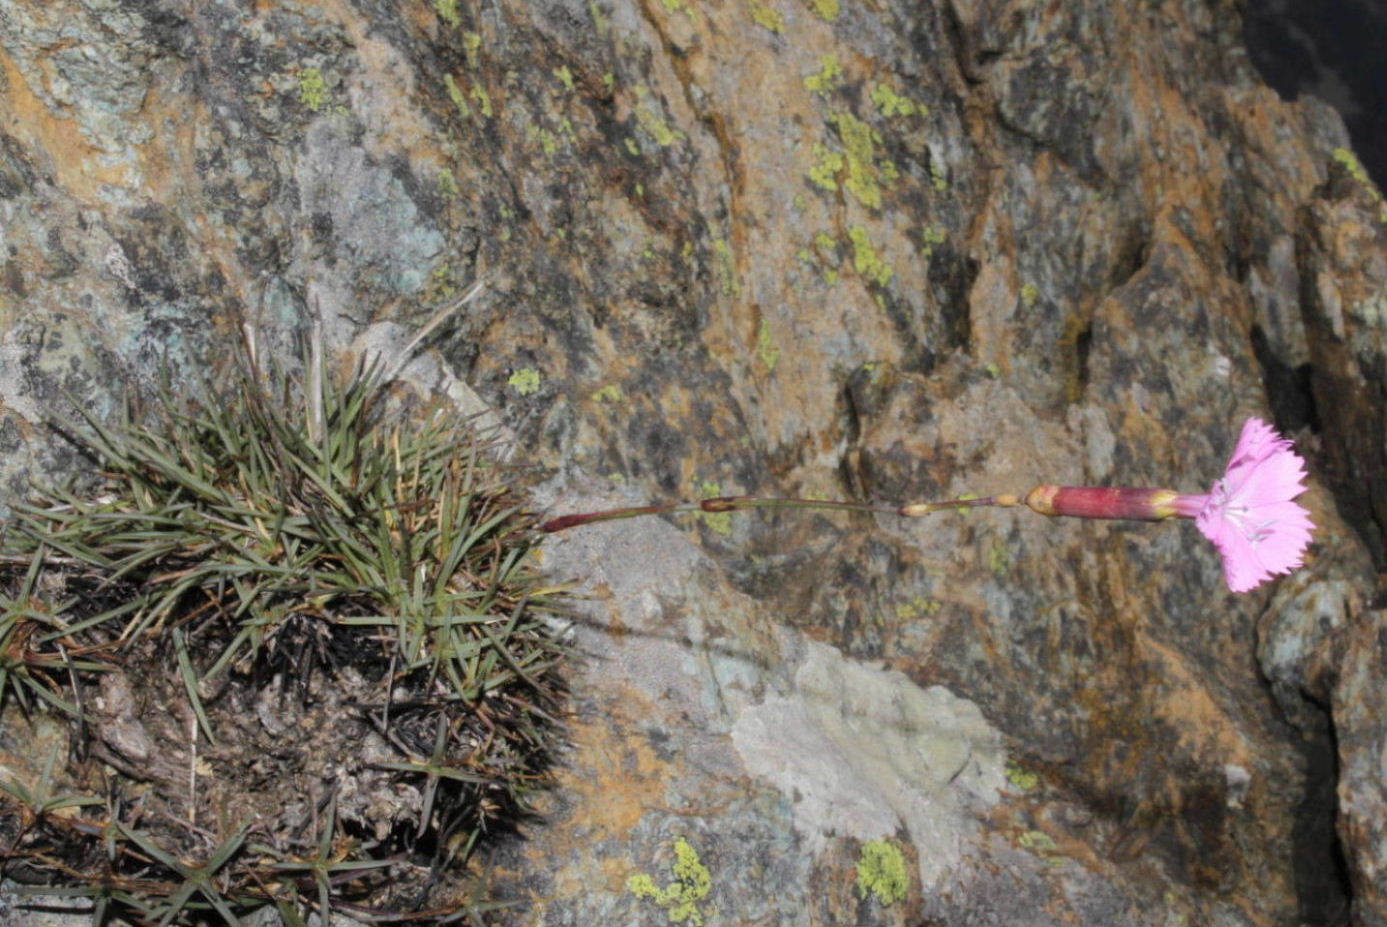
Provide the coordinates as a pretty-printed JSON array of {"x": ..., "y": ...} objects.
[{"x": 1108, "y": 243}]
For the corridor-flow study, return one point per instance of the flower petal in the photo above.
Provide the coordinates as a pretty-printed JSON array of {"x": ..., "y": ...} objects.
[{"x": 1249, "y": 515}]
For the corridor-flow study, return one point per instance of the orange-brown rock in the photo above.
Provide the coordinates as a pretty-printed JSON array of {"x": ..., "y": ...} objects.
[{"x": 877, "y": 249}]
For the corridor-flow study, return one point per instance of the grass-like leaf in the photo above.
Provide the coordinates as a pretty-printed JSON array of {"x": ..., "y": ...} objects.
[{"x": 295, "y": 536}]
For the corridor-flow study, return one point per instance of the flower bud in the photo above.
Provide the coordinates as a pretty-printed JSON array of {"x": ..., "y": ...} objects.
[{"x": 1112, "y": 502}]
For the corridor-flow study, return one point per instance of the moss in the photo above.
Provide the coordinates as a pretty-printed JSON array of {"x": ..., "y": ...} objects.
[
  {"x": 766, "y": 16},
  {"x": 565, "y": 76},
  {"x": 882, "y": 873},
  {"x": 765, "y": 347},
  {"x": 718, "y": 522},
  {"x": 829, "y": 75},
  {"x": 447, "y": 11},
  {"x": 865, "y": 260},
  {"x": 313, "y": 91},
  {"x": 525, "y": 381},
  {"x": 1030, "y": 295},
  {"x": 683, "y": 898},
  {"x": 827, "y": 10}
]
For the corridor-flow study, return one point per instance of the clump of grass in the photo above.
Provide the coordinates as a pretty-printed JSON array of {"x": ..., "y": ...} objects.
[{"x": 302, "y": 650}]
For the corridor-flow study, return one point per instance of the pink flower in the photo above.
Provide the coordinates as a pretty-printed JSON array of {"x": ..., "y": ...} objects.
[{"x": 1249, "y": 514}]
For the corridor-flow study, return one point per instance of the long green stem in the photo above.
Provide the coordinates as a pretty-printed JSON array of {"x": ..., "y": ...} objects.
[{"x": 735, "y": 503}]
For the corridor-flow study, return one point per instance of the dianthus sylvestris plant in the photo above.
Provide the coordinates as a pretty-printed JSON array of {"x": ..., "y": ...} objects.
[
  {"x": 303, "y": 654},
  {"x": 1249, "y": 514}
]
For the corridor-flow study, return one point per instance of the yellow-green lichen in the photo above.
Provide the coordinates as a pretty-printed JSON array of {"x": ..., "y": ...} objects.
[
  {"x": 472, "y": 46},
  {"x": 1021, "y": 777},
  {"x": 828, "y": 164},
  {"x": 882, "y": 873},
  {"x": 677, "y": 6},
  {"x": 1359, "y": 173},
  {"x": 609, "y": 393},
  {"x": 313, "y": 91},
  {"x": 995, "y": 373},
  {"x": 448, "y": 184},
  {"x": 718, "y": 522},
  {"x": 525, "y": 381},
  {"x": 865, "y": 260},
  {"x": 918, "y": 607},
  {"x": 441, "y": 282},
  {"x": 827, "y": 10},
  {"x": 829, "y": 75},
  {"x": 456, "y": 94},
  {"x": 548, "y": 142},
  {"x": 1030, "y": 295},
  {"x": 600, "y": 22},
  {"x": 937, "y": 175},
  {"x": 765, "y": 346},
  {"x": 865, "y": 176},
  {"x": 726, "y": 268},
  {"x": 650, "y": 118},
  {"x": 998, "y": 557},
  {"x": 891, "y": 103},
  {"x": 683, "y": 898},
  {"x": 565, "y": 76},
  {"x": 766, "y": 16},
  {"x": 1351, "y": 164},
  {"x": 483, "y": 100},
  {"x": 1042, "y": 845},
  {"x": 930, "y": 236},
  {"x": 824, "y": 255},
  {"x": 447, "y": 11}
]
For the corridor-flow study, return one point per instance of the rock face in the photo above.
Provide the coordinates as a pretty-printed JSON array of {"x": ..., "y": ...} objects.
[{"x": 870, "y": 248}]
